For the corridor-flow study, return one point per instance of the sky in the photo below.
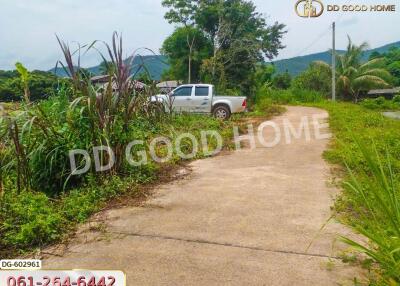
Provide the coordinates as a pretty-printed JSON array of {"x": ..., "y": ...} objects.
[{"x": 28, "y": 27}]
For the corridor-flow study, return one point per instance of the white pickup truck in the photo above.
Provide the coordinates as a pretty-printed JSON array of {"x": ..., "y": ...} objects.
[{"x": 201, "y": 98}]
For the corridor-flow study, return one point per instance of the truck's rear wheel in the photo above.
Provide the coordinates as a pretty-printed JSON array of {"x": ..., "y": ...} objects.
[{"x": 222, "y": 112}]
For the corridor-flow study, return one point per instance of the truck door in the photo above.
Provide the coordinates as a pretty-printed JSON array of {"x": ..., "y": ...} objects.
[
  {"x": 182, "y": 99},
  {"x": 202, "y": 99}
]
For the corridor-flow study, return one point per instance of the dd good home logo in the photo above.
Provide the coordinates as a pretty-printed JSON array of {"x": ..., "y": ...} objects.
[{"x": 309, "y": 8}]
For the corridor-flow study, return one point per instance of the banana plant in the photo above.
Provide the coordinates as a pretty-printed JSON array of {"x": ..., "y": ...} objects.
[{"x": 25, "y": 77}]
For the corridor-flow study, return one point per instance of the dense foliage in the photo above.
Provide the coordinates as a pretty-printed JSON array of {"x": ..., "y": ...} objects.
[
  {"x": 240, "y": 38},
  {"x": 380, "y": 103},
  {"x": 40, "y": 196},
  {"x": 282, "y": 81},
  {"x": 315, "y": 78},
  {"x": 41, "y": 85},
  {"x": 354, "y": 78},
  {"x": 392, "y": 62},
  {"x": 186, "y": 48}
]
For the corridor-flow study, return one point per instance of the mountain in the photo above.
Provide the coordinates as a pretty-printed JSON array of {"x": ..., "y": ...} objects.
[
  {"x": 298, "y": 64},
  {"x": 157, "y": 64},
  {"x": 154, "y": 64}
]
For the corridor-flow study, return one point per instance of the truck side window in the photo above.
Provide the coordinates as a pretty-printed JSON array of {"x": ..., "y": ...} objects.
[
  {"x": 183, "y": 91},
  {"x": 201, "y": 91}
]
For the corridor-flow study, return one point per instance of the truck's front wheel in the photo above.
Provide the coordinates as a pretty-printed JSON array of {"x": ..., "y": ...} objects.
[{"x": 222, "y": 112}]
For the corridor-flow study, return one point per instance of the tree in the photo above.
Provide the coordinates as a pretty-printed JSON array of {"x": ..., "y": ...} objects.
[
  {"x": 41, "y": 85},
  {"x": 239, "y": 35},
  {"x": 375, "y": 55},
  {"x": 181, "y": 13},
  {"x": 185, "y": 60},
  {"x": 394, "y": 69},
  {"x": 263, "y": 76},
  {"x": 355, "y": 77},
  {"x": 282, "y": 81},
  {"x": 392, "y": 58},
  {"x": 317, "y": 77},
  {"x": 24, "y": 75}
]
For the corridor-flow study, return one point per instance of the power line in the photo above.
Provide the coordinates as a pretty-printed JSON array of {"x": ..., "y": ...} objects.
[
  {"x": 317, "y": 39},
  {"x": 322, "y": 34}
]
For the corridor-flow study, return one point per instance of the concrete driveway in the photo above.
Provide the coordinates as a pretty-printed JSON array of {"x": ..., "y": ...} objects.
[{"x": 252, "y": 217}]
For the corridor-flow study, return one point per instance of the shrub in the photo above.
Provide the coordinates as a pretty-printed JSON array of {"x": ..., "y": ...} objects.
[
  {"x": 307, "y": 96},
  {"x": 29, "y": 219},
  {"x": 266, "y": 106},
  {"x": 315, "y": 78},
  {"x": 380, "y": 103},
  {"x": 41, "y": 197},
  {"x": 292, "y": 96},
  {"x": 282, "y": 81},
  {"x": 41, "y": 86},
  {"x": 79, "y": 204}
]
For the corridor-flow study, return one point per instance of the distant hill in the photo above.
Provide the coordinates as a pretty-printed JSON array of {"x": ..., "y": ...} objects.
[
  {"x": 157, "y": 64},
  {"x": 298, "y": 64},
  {"x": 154, "y": 64}
]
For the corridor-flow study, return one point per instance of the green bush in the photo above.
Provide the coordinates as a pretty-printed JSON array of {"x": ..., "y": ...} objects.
[
  {"x": 41, "y": 195},
  {"x": 40, "y": 214},
  {"x": 41, "y": 85},
  {"x": 282, "y": 81},
  {"x": 396, "y": 99},
  {"x": 291, "y": 96},
  {"x": 29, "y": 219},
  {"x": 316, "y": 78},
  {"x": 380, "y": 103},
  {"x": 79, "y": 204}
]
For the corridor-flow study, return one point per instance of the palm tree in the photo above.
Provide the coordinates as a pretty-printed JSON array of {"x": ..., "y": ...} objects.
[{"x": 355, "y": 77}]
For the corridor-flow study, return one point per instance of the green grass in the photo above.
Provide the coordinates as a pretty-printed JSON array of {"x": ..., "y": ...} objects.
[
  {"x": 349, "y": 123},
  {"x": 368, "y": 145},
  {"x": 288, "y": 96},
  {"x": 381, "y": 103},
  {"x": 32, "y": 219},
  {"x": 44, "y": 212}
]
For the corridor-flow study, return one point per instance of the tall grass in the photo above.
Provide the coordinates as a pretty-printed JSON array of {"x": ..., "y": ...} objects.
[
  {"x": 289, "y": 96},
  {"x": 368, "y": 145},
  {"x": 380, "y": 219},
  {"x": 79, "y": 116},
  {"x": 40, "y": 200}
]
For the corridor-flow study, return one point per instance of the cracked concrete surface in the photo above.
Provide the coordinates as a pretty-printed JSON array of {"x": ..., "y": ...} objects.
[{"x": 252, "y": 217}]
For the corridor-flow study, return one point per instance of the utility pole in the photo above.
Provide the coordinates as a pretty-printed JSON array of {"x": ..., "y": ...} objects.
[{"x": 333, "y": 62}]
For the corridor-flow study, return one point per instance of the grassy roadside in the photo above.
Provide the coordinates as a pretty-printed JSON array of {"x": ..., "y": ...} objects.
[
  {"x": 369, "y": 144},
  {"x": 366, "y": 148},
  {"x": 31, "y": 219}
]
